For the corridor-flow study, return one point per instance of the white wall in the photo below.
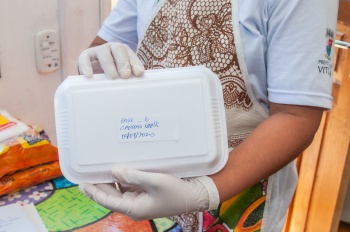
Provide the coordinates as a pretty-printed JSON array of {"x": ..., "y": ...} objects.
[
  {"x": 25, "y": 93},
  {"x": 79, "y": 22}
]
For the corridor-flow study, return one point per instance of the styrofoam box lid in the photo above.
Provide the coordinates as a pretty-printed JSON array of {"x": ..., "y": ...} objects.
[{"x": 169, "y": 121}]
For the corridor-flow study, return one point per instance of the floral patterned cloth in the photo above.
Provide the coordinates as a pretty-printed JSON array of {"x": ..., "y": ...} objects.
[{"x": 34, "y": 194}]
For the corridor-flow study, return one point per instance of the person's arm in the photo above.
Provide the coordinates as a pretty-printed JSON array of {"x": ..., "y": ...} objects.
[
  {"x": 97, "y": 41},
  {"x": 273, "y": 144}
]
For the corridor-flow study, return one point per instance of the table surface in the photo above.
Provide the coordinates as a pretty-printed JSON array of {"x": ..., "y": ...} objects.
[{"x": 63, "y": 207}]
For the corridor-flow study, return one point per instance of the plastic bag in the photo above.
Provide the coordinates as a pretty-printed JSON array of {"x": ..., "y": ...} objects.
[
  {"x": 9, "y": 126},
  {"x": 26, "y": 150},
  {"x": 29, "y": 177}
]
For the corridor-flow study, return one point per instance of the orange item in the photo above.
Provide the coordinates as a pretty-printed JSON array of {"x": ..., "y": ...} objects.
[
  {"x": 24, "y": 151},
  {"x": 29, "y": 177}
]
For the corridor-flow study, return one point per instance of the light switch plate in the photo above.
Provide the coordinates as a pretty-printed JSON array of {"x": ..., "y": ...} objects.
[{"x": 47, "y": 50}]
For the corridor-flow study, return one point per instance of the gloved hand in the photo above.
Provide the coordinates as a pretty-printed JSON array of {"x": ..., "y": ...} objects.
[
  {"x": 154, "y": 195},
  {"x": 116, "y": 60}
]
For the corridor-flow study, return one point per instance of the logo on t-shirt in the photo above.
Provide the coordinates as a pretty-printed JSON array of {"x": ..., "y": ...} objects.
[
  {"x": 325, "y": 66},
  {"x": 329, "y": 38}
]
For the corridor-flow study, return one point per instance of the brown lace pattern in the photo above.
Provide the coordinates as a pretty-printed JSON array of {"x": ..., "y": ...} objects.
[
  {"x": 235, "y": 140},
  {"x": 197, "y": 32}
]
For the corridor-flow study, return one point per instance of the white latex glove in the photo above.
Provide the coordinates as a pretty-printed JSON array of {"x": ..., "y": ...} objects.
[
  {"x": 116, "y": 60},
  {"x": 155, "y": 195}
]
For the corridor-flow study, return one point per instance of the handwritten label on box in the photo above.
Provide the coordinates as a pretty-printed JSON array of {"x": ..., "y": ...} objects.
[{"x": 148, "y": 128}]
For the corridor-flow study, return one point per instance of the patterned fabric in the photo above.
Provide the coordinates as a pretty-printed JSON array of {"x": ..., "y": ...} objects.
[
  {"x": 188, "y": 222},
  {"x": 200, "y": 32},
  {"x": 190, "y": 33},
  {"x": 62, "y": 207}
]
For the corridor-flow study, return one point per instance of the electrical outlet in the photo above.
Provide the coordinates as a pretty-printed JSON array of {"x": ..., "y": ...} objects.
[{"x": 47, "y": 50}]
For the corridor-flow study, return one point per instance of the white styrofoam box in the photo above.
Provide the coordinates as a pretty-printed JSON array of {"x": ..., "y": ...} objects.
[{"x": 169, "y": 121}]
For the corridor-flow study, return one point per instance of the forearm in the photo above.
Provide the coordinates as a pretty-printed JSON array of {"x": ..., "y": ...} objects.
[
  {"x": 273, "y": 144},
  {"x": 97, "y": 41}
]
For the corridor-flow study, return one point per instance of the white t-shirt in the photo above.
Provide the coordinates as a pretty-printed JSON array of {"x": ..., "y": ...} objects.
[
  {"x": 287, "y": 49},
  {"x": 284, "y": 44}
]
